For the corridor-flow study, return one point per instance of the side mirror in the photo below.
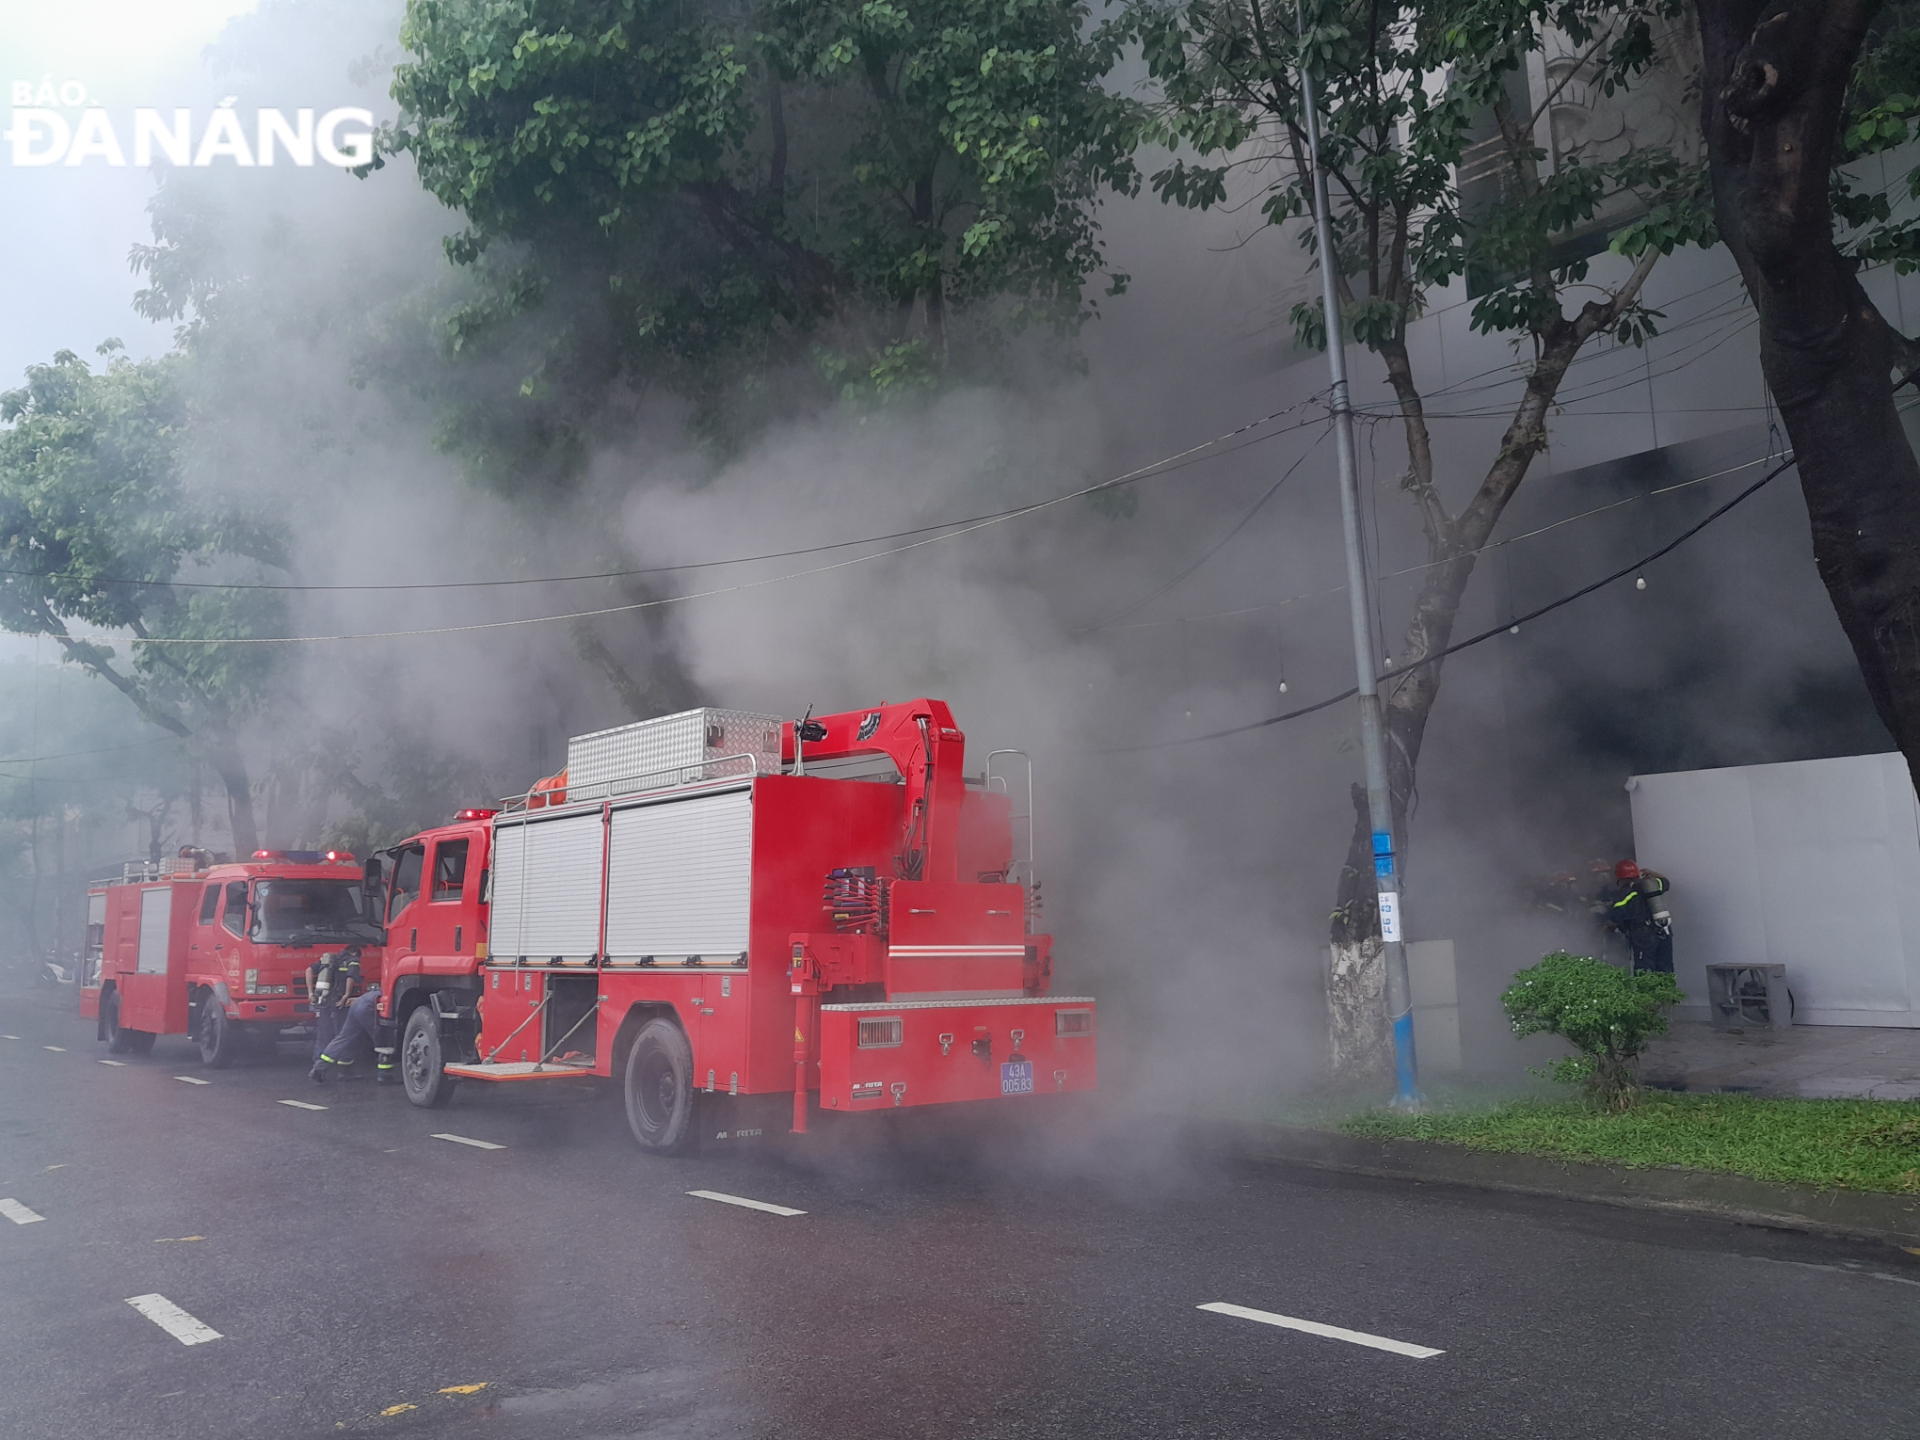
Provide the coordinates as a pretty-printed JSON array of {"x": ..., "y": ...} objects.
[{"x": 373, "y": 888}]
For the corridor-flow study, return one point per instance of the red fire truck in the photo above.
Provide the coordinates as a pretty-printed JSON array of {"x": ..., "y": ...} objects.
[
  {"x": 717, "y": 906},
  {"x": 215, "y": 951}
]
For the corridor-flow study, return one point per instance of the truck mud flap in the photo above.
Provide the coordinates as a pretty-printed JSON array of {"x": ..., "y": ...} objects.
[{"x": 877, "y": 1056}]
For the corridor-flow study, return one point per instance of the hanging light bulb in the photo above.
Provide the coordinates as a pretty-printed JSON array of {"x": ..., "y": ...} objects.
[
  {"x": 1283, "y": 687},
  {"x": 1513, "y": 630},
  {"x": 1640, "y": 582}
]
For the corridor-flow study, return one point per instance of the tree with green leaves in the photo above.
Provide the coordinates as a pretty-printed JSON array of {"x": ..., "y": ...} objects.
[
  {"x": 749, "y": 205},
  {"x": 1795, "y": 94},
  {"x": 1435, "y": 176},
  {"x": 97, "y": 525}
]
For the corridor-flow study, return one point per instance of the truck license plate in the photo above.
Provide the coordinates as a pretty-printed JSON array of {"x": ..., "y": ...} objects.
[{"x": 1016, "y": 1077}]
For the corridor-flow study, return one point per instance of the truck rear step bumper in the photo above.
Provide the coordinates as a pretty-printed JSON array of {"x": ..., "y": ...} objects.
[
  {"x": 519, "y": 1070},
  {"x": 877, "y": 1056}
]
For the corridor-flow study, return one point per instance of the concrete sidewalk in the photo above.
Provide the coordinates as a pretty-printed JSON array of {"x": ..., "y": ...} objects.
[{"x": 1817, "y": 1061}]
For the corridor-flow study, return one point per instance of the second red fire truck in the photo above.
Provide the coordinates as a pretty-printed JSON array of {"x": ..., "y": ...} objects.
[
  {"x": 717, "y": 907},
  {"x": 216, "y": 951}
]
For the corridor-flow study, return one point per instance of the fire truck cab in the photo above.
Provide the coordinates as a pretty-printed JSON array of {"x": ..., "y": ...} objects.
[
  {"x": 216, "y": 951},
  {"x": 716, "y": 906}
]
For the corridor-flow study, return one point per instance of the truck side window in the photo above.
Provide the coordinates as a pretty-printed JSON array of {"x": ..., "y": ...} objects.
[
  {"x": 235, "y": 915},
  {"x": 406, "y": 880},
  {"x": 209, "y": 904},
  {"x": 449, "y": 869}
]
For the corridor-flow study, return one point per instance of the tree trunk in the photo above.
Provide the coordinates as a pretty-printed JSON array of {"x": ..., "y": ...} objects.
[
  {"x": 1774, "y": 84},
  {"x": 1359, "y": 1040},
  {"x": 1356, "y": 977},
  {"x": 227, "y": 762}
]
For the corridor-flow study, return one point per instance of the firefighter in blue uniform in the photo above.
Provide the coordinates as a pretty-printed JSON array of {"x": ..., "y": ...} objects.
[
  {"x": 362, "y": 1022},
  {"x": 1629, "y": 909},
  {"x": 329, "y": 985}
]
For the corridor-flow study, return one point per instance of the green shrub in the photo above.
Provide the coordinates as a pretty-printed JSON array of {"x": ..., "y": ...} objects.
[{"x": 1608, "y": 1014}]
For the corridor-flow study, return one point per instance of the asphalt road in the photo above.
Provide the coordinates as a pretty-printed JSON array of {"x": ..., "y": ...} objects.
[{"x": 945, "y": 1279}]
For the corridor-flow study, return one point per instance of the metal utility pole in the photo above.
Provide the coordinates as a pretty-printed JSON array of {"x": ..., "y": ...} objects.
[{"x": 1360, "y": 593}]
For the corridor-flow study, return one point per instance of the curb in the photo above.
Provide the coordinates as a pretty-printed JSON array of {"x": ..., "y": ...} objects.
[{"x": 1847, "y": 1214}]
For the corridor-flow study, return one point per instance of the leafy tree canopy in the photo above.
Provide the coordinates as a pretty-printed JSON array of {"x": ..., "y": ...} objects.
[
  {"x": 1428, "y": 135},
  {"x": 96, "y": 525},
  {"x": 1881, "y": 115},
  {"x": 700, "y": 196}
]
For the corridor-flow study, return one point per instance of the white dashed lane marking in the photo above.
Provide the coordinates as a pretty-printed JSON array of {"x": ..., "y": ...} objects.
[
  {"x": 743, "y": 1202},
  {"x": 192, "y": 1080},
  {"x": 119, "y": 1064},
  {"x": 476, "y": 1144},
  {"x": 1329, "y": 1332},
  {"x": 301, "y": 1105},
  {"x": 57, "y": 1049},
  {"x": 172, "y": 1319},
  {"x": 19, "y": 1213},
  {"x": 9, "y": 1037}
]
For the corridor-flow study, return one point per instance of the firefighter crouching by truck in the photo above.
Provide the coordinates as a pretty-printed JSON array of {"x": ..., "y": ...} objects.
[{"x": 361, "y": 1023}]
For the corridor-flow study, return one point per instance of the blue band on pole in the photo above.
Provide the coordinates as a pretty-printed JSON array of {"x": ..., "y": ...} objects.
[
  {"x": 1383, "y": 866},
  {"x": 1403, "y": 1063},
  {"x": 1382, "y": 843}
]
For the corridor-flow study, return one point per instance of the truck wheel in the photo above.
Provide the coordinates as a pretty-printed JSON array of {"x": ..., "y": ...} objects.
[
  {"x": 659, "y": 1089},
  {"x": 219, "y": 1037},
  {"x": 119, "y": 1042},
  {"x": 423, "y": 1062}
]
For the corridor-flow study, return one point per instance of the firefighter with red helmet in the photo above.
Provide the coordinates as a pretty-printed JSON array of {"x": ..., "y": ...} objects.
[{"x": 1629, "y": 908}]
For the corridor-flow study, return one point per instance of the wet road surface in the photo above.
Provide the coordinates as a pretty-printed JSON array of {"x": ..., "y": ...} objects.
[{"x": 358, "y": 1269}]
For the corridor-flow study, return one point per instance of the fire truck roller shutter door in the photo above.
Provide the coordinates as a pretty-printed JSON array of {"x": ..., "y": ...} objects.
[
  {"x": 680, "y": 880},
  {"x": 546, "y": 890},
  {"x": 156, "y": 914}
]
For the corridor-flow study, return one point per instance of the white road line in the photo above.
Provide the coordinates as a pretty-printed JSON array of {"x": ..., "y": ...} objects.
[
  {"x": 18, "y": 1213},
  {"x": 1330, "y": 1332},
  {"x": 9, "y": 1037},
  {"x": 301, "y": 1105},
  {"x": 117, "y": 1064},
  {"x": 743, "y": 1202},
  {"x": 172, "y": 1319},
  {"x": 192, "y": 1080},
  {"x": 57, "y": 1049},
  {"x": 476, "y": 1144}
]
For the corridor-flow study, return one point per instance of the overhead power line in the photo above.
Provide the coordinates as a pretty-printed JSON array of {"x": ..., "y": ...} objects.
[
  {"x": 1402, "y": 671},
  {"x": 1216, "y": 547},
  {"x": 953, "y": 530},
  {"x": 1164, "y": 466}
]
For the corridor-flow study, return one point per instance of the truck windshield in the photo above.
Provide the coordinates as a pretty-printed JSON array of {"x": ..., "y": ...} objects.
[{"x": 293, "y": 911}]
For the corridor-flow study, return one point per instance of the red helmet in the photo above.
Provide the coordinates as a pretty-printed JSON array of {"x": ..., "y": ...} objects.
[{"x": 1626, "y": 870}]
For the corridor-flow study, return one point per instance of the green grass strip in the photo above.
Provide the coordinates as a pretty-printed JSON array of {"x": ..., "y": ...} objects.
[{"x": 1833, "y": 1144}]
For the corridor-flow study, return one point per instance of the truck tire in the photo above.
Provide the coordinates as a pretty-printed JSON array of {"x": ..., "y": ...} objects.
[
  {"x": 423, "y": 1061},
  {"x": 219, "y": 1038},
  {"x": 119, "y": 1042},
  {"x": 659, "y": 1089}
]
